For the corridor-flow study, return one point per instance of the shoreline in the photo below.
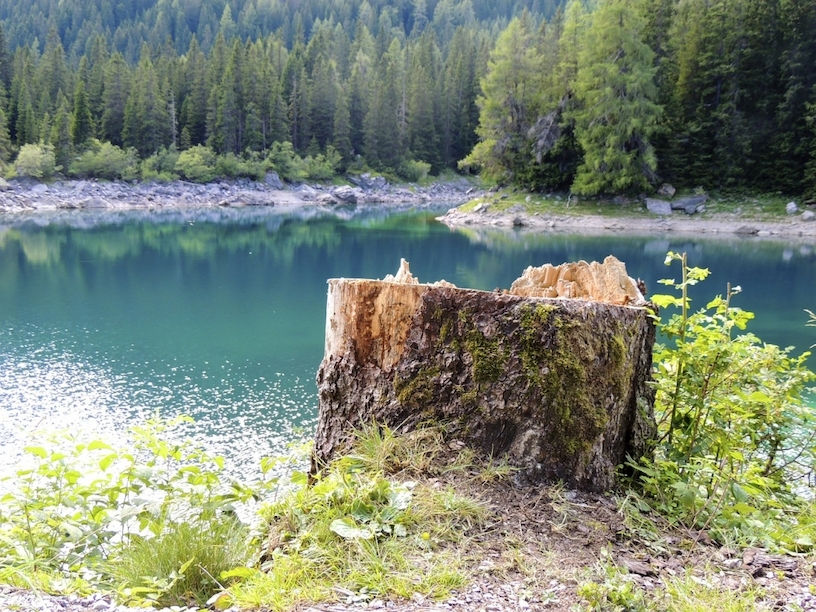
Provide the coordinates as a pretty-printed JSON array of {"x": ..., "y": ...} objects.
[
  {"x": 710, "y": 224},
  {"x": 25, "y": 196},
  {"x": 26, "y": 199}
]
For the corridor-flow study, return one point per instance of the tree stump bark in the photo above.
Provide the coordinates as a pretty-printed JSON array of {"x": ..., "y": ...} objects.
[{"x": 560, "y": 386}]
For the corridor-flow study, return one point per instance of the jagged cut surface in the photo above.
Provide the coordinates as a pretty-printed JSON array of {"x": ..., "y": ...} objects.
[{"x": 605, "y": 282}]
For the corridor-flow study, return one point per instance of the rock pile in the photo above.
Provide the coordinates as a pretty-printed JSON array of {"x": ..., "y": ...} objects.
[{"x": 21, "y": 195}]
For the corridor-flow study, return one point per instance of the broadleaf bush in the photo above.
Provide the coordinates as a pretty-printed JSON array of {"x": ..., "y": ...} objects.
[{"x": 736, "y": 437}]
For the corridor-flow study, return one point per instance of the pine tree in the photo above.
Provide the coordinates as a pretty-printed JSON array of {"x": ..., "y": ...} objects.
[
  {"x": 422, "y": 107},
  {"x": 61, "y": 134},
  {"x": 27, "y": 130},
  {"x": 341, "y": 133},
  {"x": 383, "y": 141},
  {"x": 323, "y": 100},
  {"x": 194, "y": 105},
  {"x": 52, "y": 73},
  {"x": 115, "y": 96},
  {"x": 618, "y": 112},
  {"x": 147, "y": 125},
  {"x": 81, "y": 120},
  {"x": 5, "y": 139}
]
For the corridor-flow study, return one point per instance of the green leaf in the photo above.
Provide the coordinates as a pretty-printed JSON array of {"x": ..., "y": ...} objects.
[
  {"x": 346, "y": 528},
  {"x": 400, "y": 498},
  {"x": 665, "y": 301},
  {"x": 98, "y": 445},
  {"x": 220, "y": 601},
  {"x": 299, "y": 478},
  {"x": 239, "y": 572},
  {"x": 38, "y": 451}
]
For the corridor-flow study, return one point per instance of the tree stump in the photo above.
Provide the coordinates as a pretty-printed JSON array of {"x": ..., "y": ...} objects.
[{"x": 554, "y": 374}]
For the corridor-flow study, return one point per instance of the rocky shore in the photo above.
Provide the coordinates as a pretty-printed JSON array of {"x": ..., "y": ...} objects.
[
  {"x": 801, "y": 227},
  {"x": 28, "y": 196}
]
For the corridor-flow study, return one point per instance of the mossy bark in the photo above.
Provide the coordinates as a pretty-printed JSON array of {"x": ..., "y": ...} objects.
[{"x": 558, "y": 386}]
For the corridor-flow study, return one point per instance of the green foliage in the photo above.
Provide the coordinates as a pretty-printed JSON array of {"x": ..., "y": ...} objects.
[
  {"x": 356, "y": 531},
  {"x": 74, "y": 506},
  {"x": 161, "y": 166},
  {"x": 612, "y": 590},
  {"x": 233, "y": 166},
  {"x": 616, "y": 114},
  {"x": 36, "y": 161},
  {"x": 197, "y": 164},
  {"x": 323, "y": 167},
  {"x": 287, "y": 163},
  {"x": 736, "y": 437},
  {"x": 183, "y": 565},
  {"x": 413, "y": 171},
  {"x": 106, "y": 161}
]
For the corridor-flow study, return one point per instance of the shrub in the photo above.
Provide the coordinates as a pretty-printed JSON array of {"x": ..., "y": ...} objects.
[
  {"x": 161, "y": 165},
  {"x": 286, "y": 162},
  {"x": 232, "y": 166},
  {"x": 736, "y": 438},
  {"x": 36, "y": 161},
  {"x": 413, "y": 171},
  {"x": 323, "y": 167},
  {"x": 197, "y": 164},
  {"x": 106, "y": 161}
]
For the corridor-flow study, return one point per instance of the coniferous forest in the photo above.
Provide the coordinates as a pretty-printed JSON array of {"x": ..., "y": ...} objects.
[{"x": 597, "y": 97}]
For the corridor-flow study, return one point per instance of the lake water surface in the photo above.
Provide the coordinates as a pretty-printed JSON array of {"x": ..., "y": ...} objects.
[{"x": 220, "y": 314}]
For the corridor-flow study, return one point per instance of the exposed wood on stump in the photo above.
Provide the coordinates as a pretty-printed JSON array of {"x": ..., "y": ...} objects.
[{"x": 558, "y": 385}]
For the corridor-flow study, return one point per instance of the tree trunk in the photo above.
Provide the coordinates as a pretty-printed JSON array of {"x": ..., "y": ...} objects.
[{"x": 559, "y": 386}]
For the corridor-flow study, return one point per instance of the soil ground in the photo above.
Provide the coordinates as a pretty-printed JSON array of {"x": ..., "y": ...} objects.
[{"x": 540, "y": 544}]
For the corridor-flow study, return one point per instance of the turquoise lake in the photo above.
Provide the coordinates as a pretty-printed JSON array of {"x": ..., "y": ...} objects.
[{"x": 219, "y": 314}]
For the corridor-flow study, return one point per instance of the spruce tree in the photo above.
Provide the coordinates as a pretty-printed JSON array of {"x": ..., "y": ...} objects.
[
  {"x": 61, "y": 134},
  {"x": 5, "y": 140},
  {"x": 114, "y": 97},
  {"x": 341, "y": 133},
  {"x": 81, "y": 120}
]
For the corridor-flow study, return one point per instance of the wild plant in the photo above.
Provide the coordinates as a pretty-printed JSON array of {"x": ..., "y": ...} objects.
[
  {"x": 736, "y": 437},
  {"x": 72, "y": 505}
]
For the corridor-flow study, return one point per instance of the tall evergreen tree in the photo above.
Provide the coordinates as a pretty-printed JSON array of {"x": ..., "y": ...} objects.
[
  {"x": 61, "y": 134},
  {"x": 147, "y": 124},
  {"x": 114, "y": 98},
  {"x": 341, "y": 132},
  {"x": 509, "y": 104},
  {"x": 5, "y": 139},
  {"x": 422, "y": 105},
  {"x": 81, "y": 120},
  {"x": 619, "y": 113}
]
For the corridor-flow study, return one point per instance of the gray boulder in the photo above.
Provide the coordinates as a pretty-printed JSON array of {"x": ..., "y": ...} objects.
[
  {"x": 808, "y": 215},
  {"x": 666, "y": 190},
  {"x": 273, "y": 180},
  {"x": 368, "y": 182},
  {"x": 791, "y": 208},
  {"x": 658, "y": 207},
  {"x": 4, "y": 185},
  {"x": 344, "y": 193},
  {"x": 689, "y": 204}
]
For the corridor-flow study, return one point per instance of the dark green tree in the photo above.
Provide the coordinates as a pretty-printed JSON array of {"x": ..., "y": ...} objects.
[
  {"x": 618, "y": 111},
  {"x": 114, "y": 97},
  {"x": 82, "y": 128}
]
